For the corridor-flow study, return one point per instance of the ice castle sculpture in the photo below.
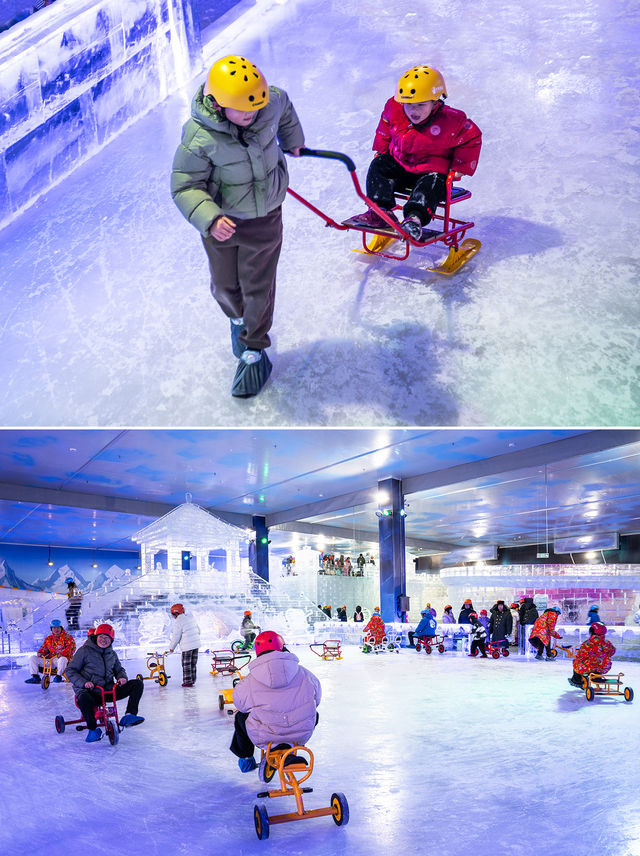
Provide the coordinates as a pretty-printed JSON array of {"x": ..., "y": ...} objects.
[{"x": 189, "y": 528}]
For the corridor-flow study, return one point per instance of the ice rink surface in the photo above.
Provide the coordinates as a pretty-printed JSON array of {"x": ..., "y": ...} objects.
[
  {"x": 106, "y": 314},
  {"x": 438, "y": 754}
]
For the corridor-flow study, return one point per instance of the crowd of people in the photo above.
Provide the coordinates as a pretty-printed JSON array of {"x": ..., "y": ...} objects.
[
  {"x": 278, "y": 691},
  {"x": 344, "y": 565}
]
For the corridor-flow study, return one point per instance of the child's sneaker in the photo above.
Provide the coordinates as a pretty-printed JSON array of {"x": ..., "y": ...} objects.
[
  {"x": 247, "y": 764},
  {"x": 413, "y": 227},
  {"x": 94, "y": 735},
  {"x": 34, "y": 679},
  {"x": 372, "y": 220},
  {"x": 131, "y": 719}
]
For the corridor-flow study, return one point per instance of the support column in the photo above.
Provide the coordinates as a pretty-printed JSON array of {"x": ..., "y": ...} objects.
[
  {"x": 393, "y": 577},
  {"x": 262, "y": 546}
]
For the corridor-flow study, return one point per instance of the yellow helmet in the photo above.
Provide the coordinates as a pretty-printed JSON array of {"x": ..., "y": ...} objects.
[
  {"x": 420, "y": 84},
  {"x": 236, "y": 82}
]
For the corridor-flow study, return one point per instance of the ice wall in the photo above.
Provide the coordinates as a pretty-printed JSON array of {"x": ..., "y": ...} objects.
[{"x": 75, "y": 75}]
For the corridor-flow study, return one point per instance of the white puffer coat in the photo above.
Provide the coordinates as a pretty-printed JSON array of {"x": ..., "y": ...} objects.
[
  {"x": 281, "y": 697},
  {"x": 186, "y": 633}
]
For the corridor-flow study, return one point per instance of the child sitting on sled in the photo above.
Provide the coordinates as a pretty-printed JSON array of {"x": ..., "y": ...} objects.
[
  {"x": 276, "y": 702},
  {"x": 418, "y": 141}
]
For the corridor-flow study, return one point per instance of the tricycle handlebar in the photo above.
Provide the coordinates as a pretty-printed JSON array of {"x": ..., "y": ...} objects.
[{"x": 322, "y": 153}]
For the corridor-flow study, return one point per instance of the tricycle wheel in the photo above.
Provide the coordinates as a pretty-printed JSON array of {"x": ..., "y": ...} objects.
[
  {"x": 441, "y": 649},
  {"x": 340, "y": 808},
  {"x": 553, "y": 653},
  {"x": 139, "y": 677},
  {"x": 162, "y": 679},
  {"x": 585, "y": 682},
  {"x": 366, "y": 649},
  {"x": 589, "y": 693},
  {"x": 60, "y": 723},
  {"x": 496, "y": 655},
  {"x": 221, "y": 701},
  {"x": 237, "y": 646},
  {"x": 261, "y": 821},
  {"x": 427, "y": 648},
  {"x": 112, "y": 732},
  {"x": 505, "y": 652},
  {"x": 418, "y": 646},
  {"x": 235, "y": 681},
  {"x": 628, "y": 694},
  {"x": 45, "y": 682},
  {"x": 265, "y": 771}
]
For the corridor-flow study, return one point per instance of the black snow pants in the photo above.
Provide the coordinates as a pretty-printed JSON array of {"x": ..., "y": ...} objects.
[{"x": 386, "y": 176}]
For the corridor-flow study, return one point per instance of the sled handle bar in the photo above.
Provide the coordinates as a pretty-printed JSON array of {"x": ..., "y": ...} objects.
[{"x": 322, "y": 153}]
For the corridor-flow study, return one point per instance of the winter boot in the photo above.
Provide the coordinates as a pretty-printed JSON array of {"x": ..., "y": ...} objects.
[
  {"x": 34, "y": 679},
  {"x": 538, "y": 657},
  {"x": 237, "y": 325},
  {"x": 187, "y": 684},
  {"x": 413, "y": 227},
  {"x": 94, "y": 735},
  {"x": 247, "y": 764},
  {"x": 131, "y": 719},
  {"x": 254, "y": 368},
  {"x": 372, "y": 220}
]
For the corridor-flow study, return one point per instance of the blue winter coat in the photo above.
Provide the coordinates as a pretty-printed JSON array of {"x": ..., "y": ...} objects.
[
  {"x": 593, "y": 616},
  {"x": 427, "y": 626}
]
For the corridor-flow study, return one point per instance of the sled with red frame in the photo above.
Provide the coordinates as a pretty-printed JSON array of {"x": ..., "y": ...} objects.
[
  {"x": 329, "y": 649},
  {"x": 376, "y": 242}
]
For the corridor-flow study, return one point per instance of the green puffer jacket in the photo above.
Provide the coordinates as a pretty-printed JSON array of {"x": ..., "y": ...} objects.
[
  {"x": 214, "y": 173},
  {"x": 93, "y": 663}
]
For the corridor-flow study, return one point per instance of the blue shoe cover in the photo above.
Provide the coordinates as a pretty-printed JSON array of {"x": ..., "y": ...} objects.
[
  {"x": 131, "y": 719},
  {"x": 250, "y": 379},
  {"x": 57, "y": 679},
  {"x": 34, "y": 679},
  {"x": 247, "y": 764},
  {"x": 94, "y": 736}
]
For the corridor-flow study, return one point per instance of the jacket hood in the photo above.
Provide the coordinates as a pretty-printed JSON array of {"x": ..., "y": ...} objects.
[{"x": 275, "y": 669}]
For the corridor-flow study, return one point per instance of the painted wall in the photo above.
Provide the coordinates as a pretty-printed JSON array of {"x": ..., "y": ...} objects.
[{"x": 23, "y": 567}]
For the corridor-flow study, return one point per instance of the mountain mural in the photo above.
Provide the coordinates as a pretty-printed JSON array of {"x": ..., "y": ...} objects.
[
  {"x": 10, "y": 579},
  {"x": 56, "y": 580}
]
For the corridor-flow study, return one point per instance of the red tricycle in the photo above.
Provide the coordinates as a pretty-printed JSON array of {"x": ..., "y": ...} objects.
[
  {"x": 430, "y": 642},
  {"x": 451, "y": 233},
  {"x": 106, "y": 711},
  {"x": 498, "y": 648},
  {"x": 330, "y": 649}
]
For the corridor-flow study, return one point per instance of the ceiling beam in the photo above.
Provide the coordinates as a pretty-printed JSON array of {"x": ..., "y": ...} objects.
[
  {"x": 367, "y": 536},
  {"x": 99, "y": 502}
]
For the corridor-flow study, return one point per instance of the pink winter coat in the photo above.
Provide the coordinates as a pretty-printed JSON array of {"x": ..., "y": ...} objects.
[
  {"x": 281, "y": 698},
  {"x": 447, "y": 140}
]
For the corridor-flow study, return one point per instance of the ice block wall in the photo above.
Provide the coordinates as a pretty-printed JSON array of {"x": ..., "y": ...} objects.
[{"x": 75, "y": 74}]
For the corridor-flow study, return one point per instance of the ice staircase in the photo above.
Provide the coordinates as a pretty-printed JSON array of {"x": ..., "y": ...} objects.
[{"x": 138, "y": 608}]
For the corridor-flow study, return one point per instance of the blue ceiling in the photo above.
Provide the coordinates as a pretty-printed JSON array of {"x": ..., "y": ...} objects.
[{"x": 268, "y": 471}]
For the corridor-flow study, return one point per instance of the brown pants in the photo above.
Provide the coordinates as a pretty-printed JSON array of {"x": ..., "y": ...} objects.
[{"x": 243, "y": 275}]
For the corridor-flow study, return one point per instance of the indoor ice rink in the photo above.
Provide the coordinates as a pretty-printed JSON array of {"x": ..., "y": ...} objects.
[
  {"x": 437, "y": 751},
  {"x": 107, "y": 316}
]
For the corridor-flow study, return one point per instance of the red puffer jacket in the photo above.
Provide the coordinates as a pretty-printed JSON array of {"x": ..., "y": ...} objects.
[
  {"x": 62, "y": 645},
  {"x": 447, "y": 140},
  {"x": 375, "y": 629},
  {"x": 594, "y": 655}
]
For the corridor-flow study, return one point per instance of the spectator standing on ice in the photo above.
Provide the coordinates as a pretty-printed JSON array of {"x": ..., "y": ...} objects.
[
  {"x": 500, "y": 624},
  {"x": 186, "y": 634},
  {"x": 465, "y": 612},
  {"x": 447, "y": 616}
]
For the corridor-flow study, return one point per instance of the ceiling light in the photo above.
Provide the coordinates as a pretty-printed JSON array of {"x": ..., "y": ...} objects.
[{"x": 49, "y": 559}]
